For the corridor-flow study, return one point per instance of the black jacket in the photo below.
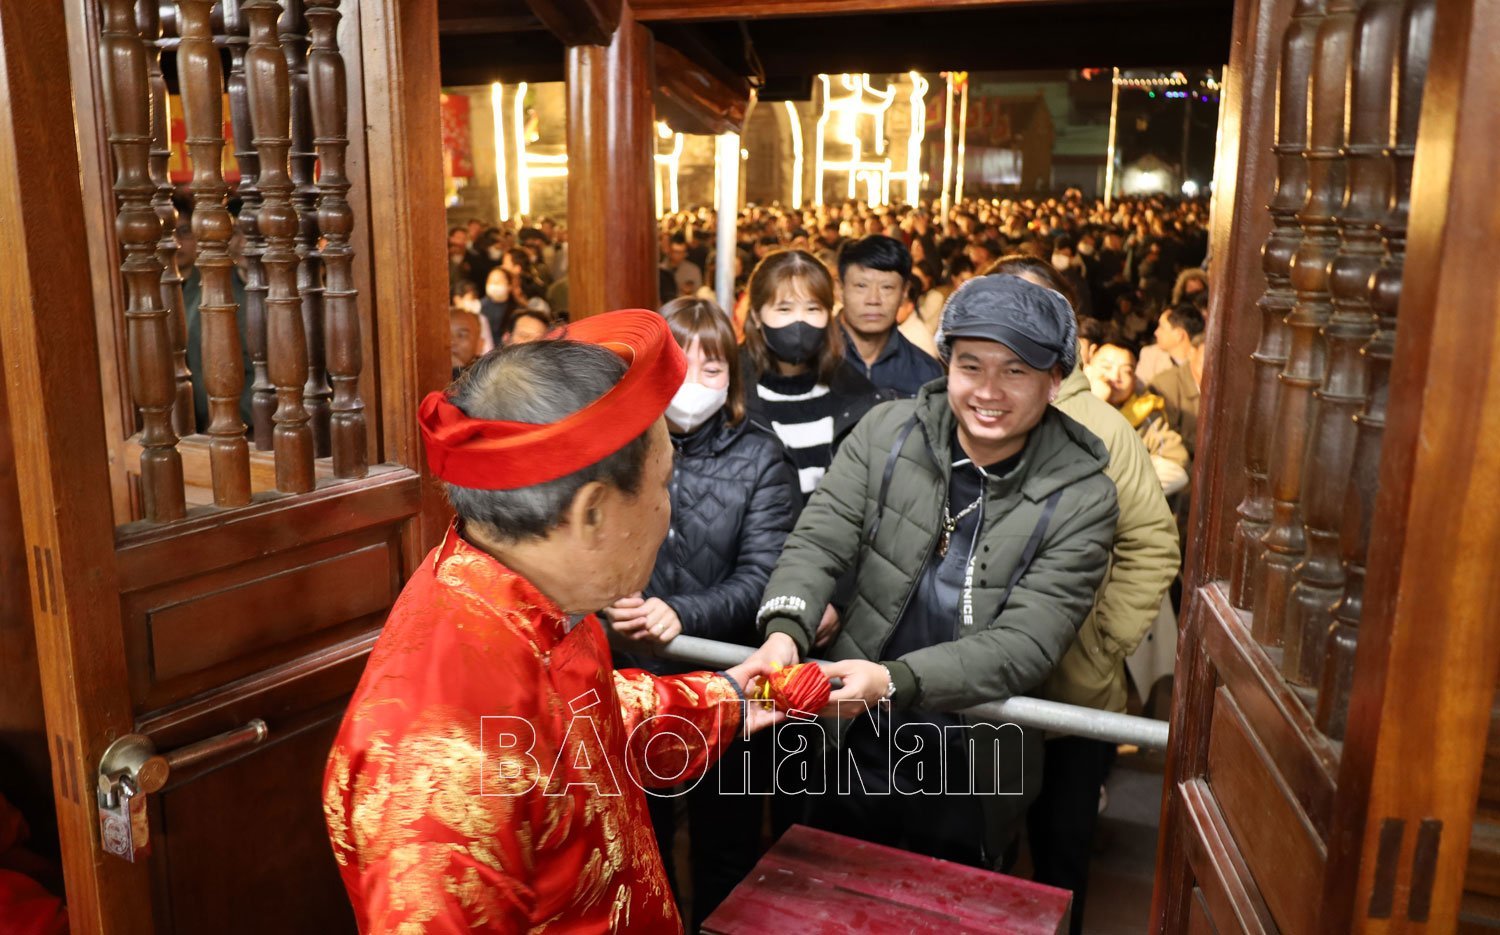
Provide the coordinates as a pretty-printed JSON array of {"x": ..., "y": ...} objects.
[
  {"x": 901, "y": 369},
  {"x": 734, "y": 499}
]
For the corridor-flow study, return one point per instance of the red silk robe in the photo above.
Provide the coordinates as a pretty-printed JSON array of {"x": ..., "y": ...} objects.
[{"x": 488, "y": 772}]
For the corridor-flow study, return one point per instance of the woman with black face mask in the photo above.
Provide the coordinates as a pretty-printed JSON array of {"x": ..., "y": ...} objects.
[{"x": 799, "y": 384}]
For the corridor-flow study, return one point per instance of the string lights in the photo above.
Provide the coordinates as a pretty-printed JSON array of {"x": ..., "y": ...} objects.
[
  {"x": 795, "y": 122},
  {"x": 668, "y": 164},
  {"x": 847, "y": 109},
  {"x": 963, "y": 133},
  {"x": 847, "y": 98},
  {"x": 918, "y": 132},
  {"x": 1154, "y": 81}
]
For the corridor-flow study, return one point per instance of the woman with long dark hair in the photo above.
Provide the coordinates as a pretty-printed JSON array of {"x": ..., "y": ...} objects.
[{"x": 801, "y": 386}]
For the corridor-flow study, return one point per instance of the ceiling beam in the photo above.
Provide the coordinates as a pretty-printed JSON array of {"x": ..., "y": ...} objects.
[
  {"x": 579, "y": 22},
  {"x": 648, "y": 11},
  {"x": 1154, "y": 34},
  {"x": 693, "y": 98},
  {"x": 488, "y": 25}
]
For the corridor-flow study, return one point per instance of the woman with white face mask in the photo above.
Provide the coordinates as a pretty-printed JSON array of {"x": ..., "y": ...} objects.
[{"x": 734, "y": 497}]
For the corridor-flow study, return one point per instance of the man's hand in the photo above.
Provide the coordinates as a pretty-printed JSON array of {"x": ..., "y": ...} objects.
[
  {"x": 651, "y": 620},
  {"x": 758, "y": 715},
  {"x": 778, "y": 650},
  {"x": 863, "y": 681},
  {"x": 828, "y": 627}
]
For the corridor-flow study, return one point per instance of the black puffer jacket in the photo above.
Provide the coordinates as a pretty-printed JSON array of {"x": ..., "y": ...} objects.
[{"x": 734, "y": 500}]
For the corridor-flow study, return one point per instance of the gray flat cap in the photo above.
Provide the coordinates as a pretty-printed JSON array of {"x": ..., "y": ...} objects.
[{"x": 1035, "y": 322}]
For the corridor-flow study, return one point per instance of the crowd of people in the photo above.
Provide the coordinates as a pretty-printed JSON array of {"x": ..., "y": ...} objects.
[{"x": 946, "y": 456}]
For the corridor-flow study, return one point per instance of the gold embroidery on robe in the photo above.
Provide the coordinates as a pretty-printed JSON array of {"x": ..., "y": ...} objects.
[{"x": 433, "y": 832}]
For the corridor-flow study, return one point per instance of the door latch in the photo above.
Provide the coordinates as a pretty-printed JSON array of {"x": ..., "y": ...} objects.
[{"x": 131, "y": 769}]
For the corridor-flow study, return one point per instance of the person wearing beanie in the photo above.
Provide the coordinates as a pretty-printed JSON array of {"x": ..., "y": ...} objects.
[{"x": 978, "y": 521}]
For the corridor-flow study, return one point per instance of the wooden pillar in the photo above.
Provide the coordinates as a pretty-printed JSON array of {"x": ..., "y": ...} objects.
[{"x": 612, "y": 252}]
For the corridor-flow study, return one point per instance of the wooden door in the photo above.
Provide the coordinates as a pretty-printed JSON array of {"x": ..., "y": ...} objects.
[
  {"x": 185, "y": 585},
  {"x": 1337, "y": 665}
]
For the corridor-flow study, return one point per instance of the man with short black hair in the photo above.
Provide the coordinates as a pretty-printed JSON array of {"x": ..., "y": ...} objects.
[
  {"x": 873, "y": 274},
  {"x": 977, "y": 520},
  {"x": 1175, "y": 329}
]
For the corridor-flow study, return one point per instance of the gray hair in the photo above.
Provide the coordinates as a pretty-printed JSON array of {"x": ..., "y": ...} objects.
[{"x": 540, "y": 383}]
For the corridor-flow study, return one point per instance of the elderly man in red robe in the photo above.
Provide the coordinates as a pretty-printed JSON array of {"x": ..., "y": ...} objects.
[{"x": 489, "y": 772}]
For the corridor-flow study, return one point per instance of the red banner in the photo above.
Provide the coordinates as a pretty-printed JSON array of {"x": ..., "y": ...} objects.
[{"x": 457, "y": 148}]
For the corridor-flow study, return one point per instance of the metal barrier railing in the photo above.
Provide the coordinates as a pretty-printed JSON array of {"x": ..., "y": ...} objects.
[{"x": 1051, "y": 716}]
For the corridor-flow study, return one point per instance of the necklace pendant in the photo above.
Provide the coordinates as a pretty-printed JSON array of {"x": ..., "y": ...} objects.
[{"x": 943, "y": 544}]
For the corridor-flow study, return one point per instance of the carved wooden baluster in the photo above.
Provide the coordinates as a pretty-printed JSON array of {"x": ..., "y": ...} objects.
[
  {"x": 253, "y": 247},
  {"x": 270, "y": 112},
  {"x": 1319, "y": 579},
  {"x": 122, "y": 58},
  {"x": 148, "y": 21},
  {"x": 1410, "y": 77},
  {"x": 1270, "y": 355},
  {"x": 201, "y": 78},
  {"x": 315, "y": 392},
  {"x": 1306, "y": 359},
  {"x": 330, "y": 113}
]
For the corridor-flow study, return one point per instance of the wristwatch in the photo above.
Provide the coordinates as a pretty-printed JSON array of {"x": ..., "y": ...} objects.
[{"x": 890, "y": 685}]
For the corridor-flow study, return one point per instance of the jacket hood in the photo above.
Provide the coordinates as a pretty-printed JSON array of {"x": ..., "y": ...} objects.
[
  {"x": 1059, "y": 451},
  {"x": 1073, "y": 384}
]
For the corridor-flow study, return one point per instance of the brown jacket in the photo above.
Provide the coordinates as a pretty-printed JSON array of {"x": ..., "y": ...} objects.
[
  {"x": 1143, "y": 560},
  {"x": 1179, "y": 391}
]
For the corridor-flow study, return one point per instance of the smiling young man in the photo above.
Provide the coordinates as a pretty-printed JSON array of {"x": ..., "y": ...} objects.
[
  {"x": 978, "y": 520},
  {"x": 873, "y": 274}
]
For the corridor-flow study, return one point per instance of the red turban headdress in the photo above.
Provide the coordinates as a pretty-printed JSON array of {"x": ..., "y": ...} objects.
[{"x": 487, "y": 455}]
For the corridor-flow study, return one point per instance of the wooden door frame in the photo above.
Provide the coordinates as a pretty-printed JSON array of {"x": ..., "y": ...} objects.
[
  {"x": 1428, "y": 659},
  {"x": 1430, "y": 577},
  {"x": 48, "y": 323},
  {"x": 58, "y": 422}
]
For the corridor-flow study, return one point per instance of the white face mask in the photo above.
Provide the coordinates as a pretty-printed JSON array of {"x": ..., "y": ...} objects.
[
  {"x": 1061, "y": 261},
  {"x": 694, "y": 405},
  {"x": 497, "y": 293},
  {"x": 468, "y": 304}
]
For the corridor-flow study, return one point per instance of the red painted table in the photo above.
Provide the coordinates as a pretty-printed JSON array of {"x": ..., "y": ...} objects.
[{"x": 816, "y": 883}]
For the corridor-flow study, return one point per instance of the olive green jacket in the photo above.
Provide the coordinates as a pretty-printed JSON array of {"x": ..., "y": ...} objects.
[
  {"x": 1000, "y": 652},
  {"x": 1144, "y": 559},
  {"x": 996, "y": 651}
]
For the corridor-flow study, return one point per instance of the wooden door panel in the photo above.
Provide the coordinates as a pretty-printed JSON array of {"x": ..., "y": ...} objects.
[
  {"x": 287, "y": 698},
  {"x": 238, "y": 853},
  {"x": 215, "y": 608},
  {"x": 1275, "y": 838},
  {"x": 1305, "y": 758},
  {"x": 1223, "y": 881},
  {"x": 353, "y": 585}
]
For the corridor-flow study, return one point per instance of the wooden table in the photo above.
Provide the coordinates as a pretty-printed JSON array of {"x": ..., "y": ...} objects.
[{"x": 817, "y": 883}]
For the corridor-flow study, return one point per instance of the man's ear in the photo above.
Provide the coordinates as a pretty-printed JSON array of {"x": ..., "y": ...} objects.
[{"x": 586, "y": 515}]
